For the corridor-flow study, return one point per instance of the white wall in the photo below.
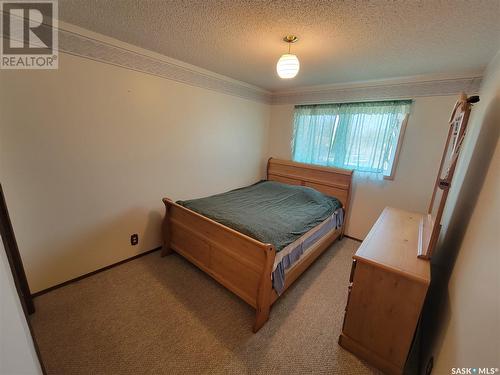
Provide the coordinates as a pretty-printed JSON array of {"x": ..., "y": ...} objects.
[
  {"x": 416, "y": 171},
  {"x": 469, "y": 309},
  {"x": 89, "y": 150},
  {"x": 17, "y": 353}
]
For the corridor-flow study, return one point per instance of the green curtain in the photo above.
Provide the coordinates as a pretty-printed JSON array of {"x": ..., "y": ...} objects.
[{"x": 360, "y": 136}]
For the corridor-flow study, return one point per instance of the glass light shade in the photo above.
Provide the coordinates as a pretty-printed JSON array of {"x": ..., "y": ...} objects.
[{"x": 288, "y": 66}]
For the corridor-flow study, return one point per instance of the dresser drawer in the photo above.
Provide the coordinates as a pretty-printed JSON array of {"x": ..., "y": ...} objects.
[{"x": 381, "y": 314}]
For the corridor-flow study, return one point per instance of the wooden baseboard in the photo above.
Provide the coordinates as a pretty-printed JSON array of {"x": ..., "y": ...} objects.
[
  {"x": 43, "y": 291},
  {"x": 353, "y": 238}
]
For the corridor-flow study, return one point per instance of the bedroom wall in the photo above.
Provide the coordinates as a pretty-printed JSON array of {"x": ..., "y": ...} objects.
[
  {"x": 89, "y": 150},
  {"x": 416, "y": 171},
  {"x": 464, "y": 310}
]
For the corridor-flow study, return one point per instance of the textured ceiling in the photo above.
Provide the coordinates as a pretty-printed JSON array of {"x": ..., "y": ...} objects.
[{"x": 340, "y": 41}]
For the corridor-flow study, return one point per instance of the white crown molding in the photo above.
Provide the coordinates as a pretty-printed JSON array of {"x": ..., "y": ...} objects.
[
  {"x": 87, "y": 44},
  {"x": 83, "y": 43},
  {"x": 396, "y": 88}
]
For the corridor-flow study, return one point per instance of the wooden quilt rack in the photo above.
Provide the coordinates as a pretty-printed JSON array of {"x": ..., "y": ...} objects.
[{"x": 430, "y": 224}]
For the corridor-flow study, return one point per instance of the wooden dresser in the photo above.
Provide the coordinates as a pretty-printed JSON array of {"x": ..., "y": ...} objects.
[{"x": 387, "y": 288}]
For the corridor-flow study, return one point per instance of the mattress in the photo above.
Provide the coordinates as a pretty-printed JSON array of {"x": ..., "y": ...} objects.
[
  {"x": 268, "y": 211},
  {"x": 291, "y": 254}
]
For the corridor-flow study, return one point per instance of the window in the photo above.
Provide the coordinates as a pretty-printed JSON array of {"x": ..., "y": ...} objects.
[{"x": 361, "y": 136}]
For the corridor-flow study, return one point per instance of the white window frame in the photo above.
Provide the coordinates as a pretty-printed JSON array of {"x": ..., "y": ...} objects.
[{"x": 395, "y": 161}]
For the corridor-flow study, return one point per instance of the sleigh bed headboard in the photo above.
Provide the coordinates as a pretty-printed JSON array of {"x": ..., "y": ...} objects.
[{"x": 330, "y": 181}]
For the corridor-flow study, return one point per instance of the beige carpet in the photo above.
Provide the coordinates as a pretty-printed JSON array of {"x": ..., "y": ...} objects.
[{"x": 164, "y": 316}]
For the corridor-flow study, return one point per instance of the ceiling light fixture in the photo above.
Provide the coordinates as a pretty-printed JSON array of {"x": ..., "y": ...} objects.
[{"x": 288, "y": 65}]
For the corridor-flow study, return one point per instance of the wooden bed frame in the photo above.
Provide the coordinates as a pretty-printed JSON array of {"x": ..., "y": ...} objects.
[{"x": 240, "y": 263}]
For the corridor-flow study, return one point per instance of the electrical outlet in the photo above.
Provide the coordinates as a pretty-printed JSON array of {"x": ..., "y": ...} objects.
[{"x": 134, "y": 239}]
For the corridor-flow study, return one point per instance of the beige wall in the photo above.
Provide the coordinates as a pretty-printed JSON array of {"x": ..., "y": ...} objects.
[
  {"x": 17, "y": 353},
  {"x": 468, "y": 310},
  {"x": 416, "y": 171},
  {"x": 89, "y": 150}
]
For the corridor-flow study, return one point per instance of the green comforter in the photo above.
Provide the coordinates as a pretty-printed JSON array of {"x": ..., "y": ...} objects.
[{"x": 268, "y": 211}]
